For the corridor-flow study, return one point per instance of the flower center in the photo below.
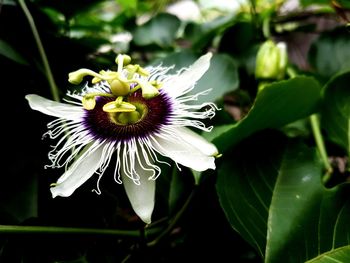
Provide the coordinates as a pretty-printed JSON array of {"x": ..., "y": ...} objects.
[
  {"x": 150, "y": 115},
  {"x": 125, "y": 118}
]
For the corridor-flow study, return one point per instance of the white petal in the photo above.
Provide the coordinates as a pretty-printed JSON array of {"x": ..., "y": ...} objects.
[
  {"x": 54, "y": 108},
  {"x": 142, "y": 195},
  {"x": 183, "y": 83},
  {"x": 184, "y": 153},
  {"x": 197, "y": 141},
  {"x": 78, "y": 173}
]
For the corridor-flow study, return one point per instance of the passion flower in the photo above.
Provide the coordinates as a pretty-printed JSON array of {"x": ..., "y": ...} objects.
[{"x": 127, "y": 118}]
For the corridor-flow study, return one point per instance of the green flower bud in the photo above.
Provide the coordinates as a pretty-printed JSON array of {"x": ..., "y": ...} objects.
[{"x": 271, "y": 61}]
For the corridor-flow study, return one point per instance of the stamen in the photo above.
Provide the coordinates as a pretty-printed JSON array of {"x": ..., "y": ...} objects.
[
  {"x": 148, "y": 90},
  {"x": 122, "y": 60},
  {"x": 76, "y": 77}
]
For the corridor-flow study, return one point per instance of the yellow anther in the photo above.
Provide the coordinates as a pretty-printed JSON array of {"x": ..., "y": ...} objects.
[
  {"x": 125, "y": 59},
  {"x": 148, "y": 90},
  {"x": 142, "y": 71},
  {"x": 156, "y": 84},
  {"x": 95, "y": 80},
  {"x": 132, "y": 69},
  {"x": 89, "y": 102},
  {"x": 76, "y": 77}
]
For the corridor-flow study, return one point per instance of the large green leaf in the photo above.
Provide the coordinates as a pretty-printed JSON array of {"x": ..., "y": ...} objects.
[
  {"x": 272, "y": 194},
  {"x": 305, "y": 218},
  {"x": 245, "y": 184},
  {"x": 335, "y": 118},
  {"x": 276, "y": 105},
  {"x": 160, "y": 30},
  {"x": 339, "y": 255}
]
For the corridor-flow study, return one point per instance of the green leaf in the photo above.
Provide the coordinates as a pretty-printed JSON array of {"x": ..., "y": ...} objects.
[
  {"x": 344, "y": 4},
  {"x": 339, "y": 255},
  {"x": 181, "y": 186},
  {"x": 245, "y": 183},
  {"x": 295, "y": 206},
  {"x": 273, "y": 196},
  {"x": 9, "y": 52},
  {"x": 314, "y": 2},
  {"x": 9, "y": 2},
  {"x": 179, "y": 60},
  {"x": 160, "y": 30},
  {"x": 176, "y": 189},
  {"x": 335, "y": 118},
  {"x": 217, "y": 131},
  {"x": 330, "y": 54},
  {"x": 128, "y": 4},
  {"x": 276, "y": 105},
  {"x": 74, "y": 7},
  {"x": 201, "y": 34},
  {"x": 221, "y": 77}
]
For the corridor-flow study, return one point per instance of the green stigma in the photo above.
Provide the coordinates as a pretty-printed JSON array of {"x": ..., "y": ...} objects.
[{"x": 119, "y": 106}]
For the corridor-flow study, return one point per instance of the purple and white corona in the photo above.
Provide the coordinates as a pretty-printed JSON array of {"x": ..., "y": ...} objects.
[{"x": 125, "y": 119}]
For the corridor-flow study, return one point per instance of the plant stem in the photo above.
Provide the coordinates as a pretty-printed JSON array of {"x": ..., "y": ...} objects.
[
  {"x": 12, "y": 229},
  {"x": 174, "y": 220},
  {"x": 316, "y": 130},
  {"x": 315, "y": 125},
  {"x": 48, "y": 73}
]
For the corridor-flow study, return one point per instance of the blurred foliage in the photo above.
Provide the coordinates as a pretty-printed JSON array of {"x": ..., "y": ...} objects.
[{"x": 272, "y": 198}]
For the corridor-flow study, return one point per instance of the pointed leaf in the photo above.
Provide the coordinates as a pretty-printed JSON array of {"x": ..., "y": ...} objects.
[
  {"x": 273, "y": 196},
  {"x": 292, "y": 228},
  {"x": 8, "y": 51},
  {"x": 160, "y": 30},
  {"x": 245, "y": 184},
  {"x": 278, "y": 104},
  {"x": 339, "y": 255},
  {"x": 335, "y": 118}
]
